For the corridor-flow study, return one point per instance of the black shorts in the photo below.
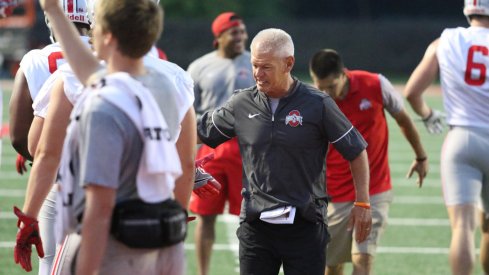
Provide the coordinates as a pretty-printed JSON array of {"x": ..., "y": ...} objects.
[{"x": 299, "y": 247}]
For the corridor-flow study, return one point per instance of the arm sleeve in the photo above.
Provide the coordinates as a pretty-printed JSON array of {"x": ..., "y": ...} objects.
[
  {"x": 101, "y": 148},
  {"x": 217, "y": 126},
  {"x": 392, "y": 100},
  {"x": 340, "y": 132},
  {"x": 72, "y": 86},
  {"x": 41, "y": 102}
]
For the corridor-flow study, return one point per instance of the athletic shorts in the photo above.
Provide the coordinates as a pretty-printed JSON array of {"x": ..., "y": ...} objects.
[
  {"x": 343, "y": 244},
  {"x": 465, "y": 167},
  {"x": 120, "y": 259},
  {"x": 227, "y": 169}
]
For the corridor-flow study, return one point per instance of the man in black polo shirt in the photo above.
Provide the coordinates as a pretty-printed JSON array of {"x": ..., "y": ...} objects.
[{"x": 284, "y": 128}]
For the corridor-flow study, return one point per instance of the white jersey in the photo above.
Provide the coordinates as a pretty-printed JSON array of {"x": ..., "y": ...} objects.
[
  {"x": 72, "y": 89},
  {"x": 156, "y": 52},
  {"x": 463, "y": 56},
  {"x": 176, "y": 79},
  {"x": 38, "y": 65}
]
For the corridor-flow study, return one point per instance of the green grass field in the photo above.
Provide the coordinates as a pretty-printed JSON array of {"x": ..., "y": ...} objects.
[{"x": 415, "y": 242}]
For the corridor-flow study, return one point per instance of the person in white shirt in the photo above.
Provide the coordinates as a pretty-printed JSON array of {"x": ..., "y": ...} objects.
[
  {"x": 35, "y": 68},
  {"x": 461, "y": 58}
]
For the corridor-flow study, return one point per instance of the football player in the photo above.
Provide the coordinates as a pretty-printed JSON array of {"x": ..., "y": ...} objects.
[
  {"x": 35, "y": 68},
  {"x": 460, "y": 56}
]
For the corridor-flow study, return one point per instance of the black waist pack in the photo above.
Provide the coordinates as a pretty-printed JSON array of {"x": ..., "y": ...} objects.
[{"x": 138, "y": 224}]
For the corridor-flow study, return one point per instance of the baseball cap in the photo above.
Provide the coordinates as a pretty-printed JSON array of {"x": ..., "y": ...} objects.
[{"x": 225, "y": 21}]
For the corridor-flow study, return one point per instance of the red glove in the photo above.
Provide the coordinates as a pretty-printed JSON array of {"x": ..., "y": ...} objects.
[
  {"x": 20, "y": 164},
  {"x": 27, "y": 236},
  {"x": 205, "y": 186}
]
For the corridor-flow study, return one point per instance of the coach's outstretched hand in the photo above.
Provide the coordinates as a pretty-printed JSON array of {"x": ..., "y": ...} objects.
[
  {"x": 27, "y": 236},
  {"x": 205, "y": 186},
  {"x": 46, "y": 5},
  {"x": 434, "y": 122}
]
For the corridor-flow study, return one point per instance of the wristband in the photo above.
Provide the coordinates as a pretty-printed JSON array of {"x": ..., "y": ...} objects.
[
  {"x": 421, "y": 159},
  {"x": 365, "y": 205}
]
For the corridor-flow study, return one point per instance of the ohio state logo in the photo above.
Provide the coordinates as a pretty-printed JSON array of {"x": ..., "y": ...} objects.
[{"x": 294, "y": 118}]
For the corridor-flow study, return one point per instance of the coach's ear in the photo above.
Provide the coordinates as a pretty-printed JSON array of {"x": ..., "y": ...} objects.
[{"x": 289, "y": 63}]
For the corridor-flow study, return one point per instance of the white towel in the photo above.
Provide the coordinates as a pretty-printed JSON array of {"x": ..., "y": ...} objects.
[
  {"x": 159, "y": 166},
  {"x": 65, "y": 214}
]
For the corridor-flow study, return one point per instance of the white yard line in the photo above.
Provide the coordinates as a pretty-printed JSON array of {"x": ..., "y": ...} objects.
[
  {"x": 417, "y": 222},
  {"x": 14, "y": 193},
  {"x": 437, "y": 200},
  {"x": 381, "y": 250},
  {"x": 12, "y": 175},
  {"x": 398, "y": 167},
  {"x": 7, "y": 215}
]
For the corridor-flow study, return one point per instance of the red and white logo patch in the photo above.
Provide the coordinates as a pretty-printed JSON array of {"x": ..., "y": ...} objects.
[{"x": 293, "y": 119}]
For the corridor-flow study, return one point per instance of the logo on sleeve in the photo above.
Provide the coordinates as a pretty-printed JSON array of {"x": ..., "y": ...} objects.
[
  {"x": 365, "y": 104},
  {"x": 293, "y": 119}
]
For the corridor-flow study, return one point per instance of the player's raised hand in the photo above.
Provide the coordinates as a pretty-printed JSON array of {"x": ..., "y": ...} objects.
[
  {"x": 205, "y": 186},
  {"x": 420, "y": 166},
  {"x": 47, "y": 5},
  {"x": 27, "y": 236},
  {"x": 434, "y": 122}
]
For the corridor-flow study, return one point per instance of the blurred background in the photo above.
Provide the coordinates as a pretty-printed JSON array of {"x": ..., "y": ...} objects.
[{"x": 378, "y": 35}]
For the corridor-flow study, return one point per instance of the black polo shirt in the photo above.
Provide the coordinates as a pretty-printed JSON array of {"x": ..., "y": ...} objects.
[{"x": 283, "y": 153}]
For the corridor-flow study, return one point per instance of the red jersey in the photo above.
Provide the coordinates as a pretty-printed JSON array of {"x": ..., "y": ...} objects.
[{"x": 364, "y": 107}]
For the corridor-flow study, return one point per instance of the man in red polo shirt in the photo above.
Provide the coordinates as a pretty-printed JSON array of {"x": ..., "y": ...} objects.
[{"x": 362, "y": 96}]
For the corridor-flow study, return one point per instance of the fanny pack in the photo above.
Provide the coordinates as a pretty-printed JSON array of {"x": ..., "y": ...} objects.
[{"x": 138, "y": 224}]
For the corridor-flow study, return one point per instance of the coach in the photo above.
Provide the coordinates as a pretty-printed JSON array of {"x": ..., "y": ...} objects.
[{"x": 283, "y": 128}]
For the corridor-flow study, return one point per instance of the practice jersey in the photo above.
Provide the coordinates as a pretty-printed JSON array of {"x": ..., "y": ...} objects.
[
  {"x": 463, "y": 57},
  {"x": 367, "y": 97},
  {"x": 158, "y": 53},
  {"x": 216, "y": 78},
  {"x": 173, "y": 77},
  {"x": 39, "y": 64}
]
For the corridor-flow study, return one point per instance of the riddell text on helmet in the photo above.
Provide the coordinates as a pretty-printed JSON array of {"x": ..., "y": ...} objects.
[{"x": 73, "y": 17}]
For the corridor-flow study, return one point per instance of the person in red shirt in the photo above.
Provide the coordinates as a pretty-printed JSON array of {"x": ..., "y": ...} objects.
[{"x": 362, "y": 96}]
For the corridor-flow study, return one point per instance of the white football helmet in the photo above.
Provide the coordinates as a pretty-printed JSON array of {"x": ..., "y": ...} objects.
[
  {"x": 476, "y": 7},
  {"x": 76, "y": 10},
  {"x": 91, "y": 12}
]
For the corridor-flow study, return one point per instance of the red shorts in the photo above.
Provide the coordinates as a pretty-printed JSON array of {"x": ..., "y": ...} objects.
[{"x": 226, "y": 168}]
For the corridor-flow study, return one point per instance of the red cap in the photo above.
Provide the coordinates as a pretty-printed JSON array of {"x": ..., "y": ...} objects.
[{"x": 225, "y": 21}]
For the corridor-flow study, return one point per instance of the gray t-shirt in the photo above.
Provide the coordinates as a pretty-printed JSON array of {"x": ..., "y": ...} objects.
[
  {"x": 216, "y": 78},
  {"x": 392, "y": 100},
  {"x": 110, "y": 146}
]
